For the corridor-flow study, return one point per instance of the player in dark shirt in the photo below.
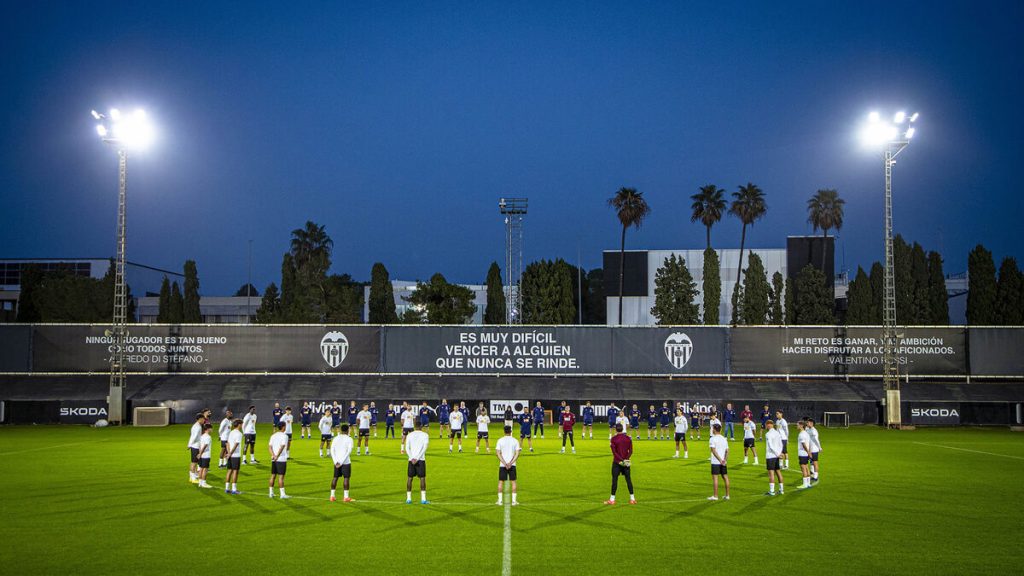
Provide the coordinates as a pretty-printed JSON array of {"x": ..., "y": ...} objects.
[
  {"x": 525, "y": 424},
  {"x": 335, "y": 417},
  {"x": 307, "y": 419},
  {"x": 558, "y": 416},
  {"x": 444, "y": 410},
  {"x": 353, "y": 411},
  {"x": 766, "y": 415},
  {"x": 652, "y": 422},
  {"x": 567, "y": 419},
  {"x": 588, "y": 420},
  {"x": 729, "y": 417},
  {"x": 425, "y": 415},
  {"x": 622, "y": 451},
  {"x": 277, "y": 412},
  {"x": 613, "y": 413},
  {"x": 664, "y": 419},
  {"x": 694, "y": 422},
  {"x": 538, "y": 420},
  {"x": 389, "y": 422}
]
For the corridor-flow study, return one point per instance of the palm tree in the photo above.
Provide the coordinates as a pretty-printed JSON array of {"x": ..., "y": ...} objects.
[
  {"x": 708, "y": 206},
  {"x": 631, "y": 208},
  {"x": 310, "y": 242},
  {"x": 747, "y": 205},
  {"x": 825, "y": 211}
]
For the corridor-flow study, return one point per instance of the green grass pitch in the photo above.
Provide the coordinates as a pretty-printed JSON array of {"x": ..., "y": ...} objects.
[{"x": 77, "y": 500}]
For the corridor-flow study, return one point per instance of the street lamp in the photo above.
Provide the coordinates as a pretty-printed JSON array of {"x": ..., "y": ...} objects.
[
  {"x": 892, "y": 137},
  {"x": 124, "y": 132}
]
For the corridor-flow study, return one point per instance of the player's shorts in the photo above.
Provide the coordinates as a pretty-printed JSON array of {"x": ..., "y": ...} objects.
[
  {"x": 748, "y": 442},
  {"x": 611, "y": 424},
  {"x": 680, "y": 436},
  {"x": 524, "y": 434},
  {"x": 326, "y": 437},
  {"x": 406, "y": 431},
  {"x": 457, "y": 433},
  {"x": 235, "y": 463},
  {"x": 804, "y": 460},
  {"x": 772, "y": 464},
  {"x": 364, "y": 432},
  {"x": 250, "y": 438},
  {"x": 506, "y": 474},
  {"x": 719, "y": 470},
  {"x": 305, "y": 423},
  {"x": 567, "y": 432},
  {"x": 785, "y": 446},
  {"x": 482, "y": 435},
  {"x": 204, "y": 462},
  {"x": 814, "y": 456},
  {"x": 764, "y": 423},
  {"x": 652, "y": 424},
  {"x": 694, "y": 423},
  {"x": 443, "y": 420},
  {"x": 588, "y": 422},
  {"x": 289, "y": 435},
  {"x": 664, "y": 424},
  {"x": 418, "y": 470},
  {"x": 278, "y": 468},
  {"x": 194, "y": 455},
  {"x": 223, "y": 444},
  {"x": 634, "y": 424},
  {"x": 343, "y": 471},
  {"x": 335, "y": 422},
  {"x": 509, "y": 422}
]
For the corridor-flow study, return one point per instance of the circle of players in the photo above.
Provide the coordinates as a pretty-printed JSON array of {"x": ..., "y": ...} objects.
[{"x": 238, "y": 441}]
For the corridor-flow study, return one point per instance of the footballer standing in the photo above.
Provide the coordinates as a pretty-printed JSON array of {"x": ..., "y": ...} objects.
[
  {"x": 278, "y": 447},
  {"x": 508, "y": 450},
  {"x": 341, "y": 455},
  {"x": 363, "y": 418},
  {"x": 235, "y": 441},
  {"x": 416, "y": 450}
]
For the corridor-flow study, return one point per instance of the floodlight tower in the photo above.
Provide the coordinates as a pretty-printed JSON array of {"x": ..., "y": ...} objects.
[
  {"x": 514, "y": 209},
  {"x": 893, "y": 138},
  {"x": 124, "y": 132}
]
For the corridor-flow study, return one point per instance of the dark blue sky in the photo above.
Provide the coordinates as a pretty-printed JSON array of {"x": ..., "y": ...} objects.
[{"x": 398, "y": 126}]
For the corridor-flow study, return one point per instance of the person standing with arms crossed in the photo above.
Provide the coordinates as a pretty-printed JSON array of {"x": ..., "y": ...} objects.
[
  {"x": 622, "y": 451},
  {"x": 416, "y": 449},
  {"x": 719, "y": 459},
  {"x": 508, "y": 451},
  {"x": 730, "y": 422}
]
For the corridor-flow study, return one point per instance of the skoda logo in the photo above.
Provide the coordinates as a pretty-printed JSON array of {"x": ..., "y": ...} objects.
[
  {"x": 678, "y": 349},
  {"x": 334, "y": 348}
]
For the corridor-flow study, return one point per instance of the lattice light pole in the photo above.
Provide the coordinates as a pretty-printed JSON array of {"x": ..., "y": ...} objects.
[
  {"x": 123, "y": 132},
  {"x": 893, "y": 137},
  {"x": 513, "y": 209}
]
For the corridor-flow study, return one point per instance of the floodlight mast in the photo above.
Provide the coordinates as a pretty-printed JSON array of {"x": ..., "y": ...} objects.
[
  {"x": 514, "y": 209},
  {"x": 894, "y": 139},
  {"x": 122, "y": 133}
]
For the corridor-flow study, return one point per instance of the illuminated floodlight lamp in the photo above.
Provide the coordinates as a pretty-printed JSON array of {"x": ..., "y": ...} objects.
[{"x": 125, "y": 131}]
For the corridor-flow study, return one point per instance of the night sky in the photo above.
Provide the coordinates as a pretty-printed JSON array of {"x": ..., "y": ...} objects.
[{"x": 399, "y": 125}]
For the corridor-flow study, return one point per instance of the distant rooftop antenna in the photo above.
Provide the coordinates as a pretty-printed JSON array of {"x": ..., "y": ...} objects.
[{"x": 513, "y": 209}]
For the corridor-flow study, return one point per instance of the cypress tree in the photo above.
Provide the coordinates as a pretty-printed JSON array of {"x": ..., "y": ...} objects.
[
  {"x": 288, "y": 288},
  {"x": 1008, "y": 293},
  {"x": 382, "y": 297},
  {"x": 938, "y": 299},
  {"x": 164, "y": 303},
  {"x": 906, "y": 312},
  {"x": 674, "y": 294},
  {"x": 755, "y": 293},
  {"x": 859, "y": 297},
  {"x": 919, "y": 275},
  {"x": 269, "y": 311},
  {"x": 496, "y": 307},
  {"x": 981, "y": 287},
  {"x": 790, "y": 300},
  {"x": 191, "y": 312},
  {"x": 28, "y": 308},
  {"x": 776, "y": 315},
  {"x": 814, "y": 301},
  {"x": 712, "y": 286},
  {"x": 877, "y": 279},
  {"x": 737, "y": 305},
  {"x": 177, "y": 305}
]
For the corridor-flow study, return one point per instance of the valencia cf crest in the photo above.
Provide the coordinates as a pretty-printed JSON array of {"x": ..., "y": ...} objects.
[
  {"x": 678, "y": 349},
  {"x": 334, "y": 348}
]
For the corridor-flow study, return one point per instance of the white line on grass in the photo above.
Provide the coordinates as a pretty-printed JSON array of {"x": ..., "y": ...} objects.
[
  {"x": 50, "y": 447},
  {"x": 506, "y": 552},
  {"x": 969, "y": 450}
]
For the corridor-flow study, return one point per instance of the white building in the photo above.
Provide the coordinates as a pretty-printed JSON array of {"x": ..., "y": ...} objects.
[{"x": 213, "y": 309}]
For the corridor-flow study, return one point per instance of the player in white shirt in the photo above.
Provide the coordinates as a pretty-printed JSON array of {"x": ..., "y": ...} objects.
[
  {"x": 408, "y": 422},
  {"x": 714, "y": 420},
  {"x": 326, "y": 426},
  {"x": 363, "y": 419},
  {"x": 416, "y": 450},
  {"x": 749, "y": 429},
  {"x": 508, "y": 450},
  {"x": 719, "y": 460},
  {"x": 772, "y": 453},
  {"x": 204, "y": 454},
  {"x": 783, "y": 429},
  {"x": 482, "y": 432},
  {"x": 193, "y": 448},
  {"x": 287, "y": 418},
  {"x": 623, "y": 420},
  {"x": 278, "y": 447},
  {"x": 222, "y": 433},
  {"x": 681, "y": 426},
  {"x": 803, "y": 452},
  {"x": 341, "y": 453},
  {"x": 235, "y": 441},
  {"x": 455, "y": 422},
  {"x": 249, "y": 429},
  {"x": 812, "y": 431}
]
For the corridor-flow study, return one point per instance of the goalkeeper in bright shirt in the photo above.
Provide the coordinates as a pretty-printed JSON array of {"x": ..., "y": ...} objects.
[
  {"x": 568, "y": 420},
  {"x": 326, "y": 427},
  {"x": 482, "y": 433},
  {"x": 613, "y": 417},
  {"x": 444, "y": 411},
  {"x": 341, "y": 455},
  {"x": 652, "y": 422},
  {"x": 525, "y": 424},
  {"x": 588, "y": 421},
  {"x": 622, "y": 450},
  {"x": 538, "y": 420},
  {"x": 681, "y": 433},
  {"x": 749, "y": 429},
  {"x": 457, "y": 421},
  {"x": 664, "y": 420},
  {"x": 634, "y": 421}
]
